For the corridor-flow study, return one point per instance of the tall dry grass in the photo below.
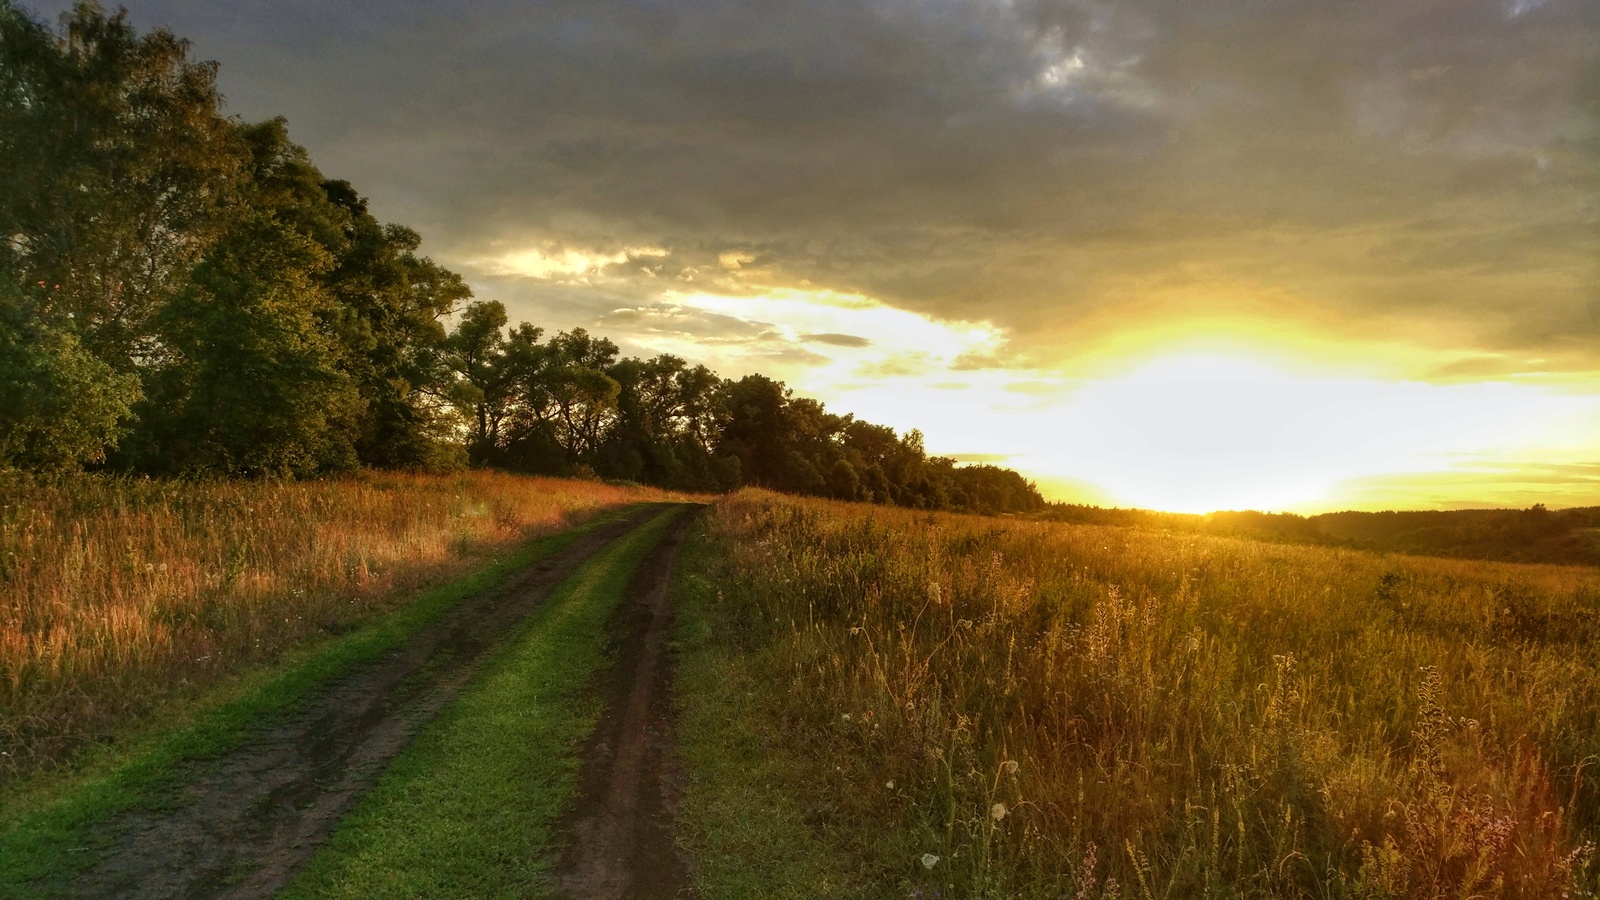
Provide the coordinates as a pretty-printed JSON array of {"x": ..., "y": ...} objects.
[
  {"x": 114, "y": 593},
  {"x": 1078, "y": 711}
]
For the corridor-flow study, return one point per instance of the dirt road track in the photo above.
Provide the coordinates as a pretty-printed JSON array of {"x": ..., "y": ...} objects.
[
  {"x": 620, "y": 835},
  {"x": 246, "y": 823}
]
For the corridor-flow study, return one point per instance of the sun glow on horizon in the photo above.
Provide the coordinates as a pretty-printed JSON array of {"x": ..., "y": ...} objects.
[
  {"x": 1200, "y": 432},
  {"x": 1252, "y": 416}
]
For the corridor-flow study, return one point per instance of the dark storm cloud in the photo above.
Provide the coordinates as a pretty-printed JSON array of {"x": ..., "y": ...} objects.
[{"x": 1422, "y": 171}]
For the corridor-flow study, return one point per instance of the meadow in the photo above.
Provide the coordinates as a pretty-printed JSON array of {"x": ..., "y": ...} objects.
[
  {"x": 884, "y": 702},
  {"x": 118, "y": 595}
]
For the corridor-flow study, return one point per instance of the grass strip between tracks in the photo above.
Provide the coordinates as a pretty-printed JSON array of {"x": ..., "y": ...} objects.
[
  {"x": 469, "y": 809},
  {"x": 47, "y": 832}
]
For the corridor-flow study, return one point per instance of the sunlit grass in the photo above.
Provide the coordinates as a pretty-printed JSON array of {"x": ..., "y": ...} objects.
[
  {"x": 1056, "y": 710},
  {"x": 115, "y": 594}
]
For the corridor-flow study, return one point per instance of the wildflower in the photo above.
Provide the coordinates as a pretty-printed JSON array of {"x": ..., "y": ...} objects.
[
  {"x": 997, "y": 811},
  {"x": 929, "y": 860},
  {"x": 845, "y": 717},
  {"x": 889, "y": 784},
  {"x": 1010, "y": 766}
]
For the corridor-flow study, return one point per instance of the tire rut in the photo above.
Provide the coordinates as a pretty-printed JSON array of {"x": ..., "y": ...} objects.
[
  {"x": 619, "y": 836},
  {"x": 244, "y": 824}
]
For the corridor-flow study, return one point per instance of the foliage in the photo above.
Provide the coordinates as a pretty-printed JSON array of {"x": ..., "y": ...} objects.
[
  {"x": 570, "y": 405},
  {"x": 60, "y": 406},
  {"x": 192, "y": 296},
  {"x": 118, "y": 172},
  {"x": 158, "y": 249},
  {"x": 250, "y": 379},
  {"x": 1052, "y": 710}
]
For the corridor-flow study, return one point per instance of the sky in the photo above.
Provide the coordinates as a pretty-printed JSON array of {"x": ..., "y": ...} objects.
[{"x": 1293, "y": 255}]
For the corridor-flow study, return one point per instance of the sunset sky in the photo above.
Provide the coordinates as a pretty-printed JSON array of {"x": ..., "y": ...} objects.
[{"x": 1183, "y": 254}]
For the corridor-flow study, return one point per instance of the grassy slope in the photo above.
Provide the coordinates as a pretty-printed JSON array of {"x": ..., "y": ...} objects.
[
  {"x": 45, "y": 828},
  {"x": 468, "y": 809}
]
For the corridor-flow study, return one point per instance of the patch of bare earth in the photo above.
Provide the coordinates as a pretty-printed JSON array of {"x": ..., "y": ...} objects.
[
  {"x": 244, "y": 824},
  {"x": 619, "y": 837}
]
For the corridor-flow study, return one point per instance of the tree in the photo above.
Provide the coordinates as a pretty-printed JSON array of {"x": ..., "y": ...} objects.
[
  {"x": 392, "y": 305},
  {"x": 665, "y": 415},
  {"x": 477, "y": 353},
  {"x": 118, "y": 169},
  {"x": 570, "y": 393},
  {"x": 752, "y": 429},
  {"x": 250, "y": 379},
  {"x": 60, "y": 406},
  {"x": 843, "y": 482}
]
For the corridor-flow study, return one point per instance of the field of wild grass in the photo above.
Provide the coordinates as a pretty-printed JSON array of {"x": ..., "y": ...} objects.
[
  {"x": 973, "y": 707},
  {"x": 115, "y": 593}
]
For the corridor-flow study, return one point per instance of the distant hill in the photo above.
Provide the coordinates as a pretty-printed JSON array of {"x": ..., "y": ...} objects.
[{"x": 1536, "y": 534}]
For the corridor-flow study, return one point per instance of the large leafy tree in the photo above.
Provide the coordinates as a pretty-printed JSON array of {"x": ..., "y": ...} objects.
[
  {"x": 486, "y": 367},
  {"x": 60, "y": 405},
  {"x": 394, "y": 303},
  {"x": 251, "y": 376},
  {"x": 117, "y": 174},
  {"x": 147, "y": 242},
  {"x": 569, "y": 392},
  {"x": 116, "y": 171},
  {"x": 665, "y": 413}
]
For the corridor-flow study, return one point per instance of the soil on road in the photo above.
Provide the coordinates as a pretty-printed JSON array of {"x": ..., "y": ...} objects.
[
  {"x": 246, "y": 823},
  {"x": 619, "y": 836}
]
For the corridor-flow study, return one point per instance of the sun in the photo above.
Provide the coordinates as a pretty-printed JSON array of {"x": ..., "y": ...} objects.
[{"x": 1196, "y": 432}]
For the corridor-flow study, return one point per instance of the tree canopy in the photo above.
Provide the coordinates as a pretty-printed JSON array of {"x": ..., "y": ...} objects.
[{"x": 184, "y": 293}]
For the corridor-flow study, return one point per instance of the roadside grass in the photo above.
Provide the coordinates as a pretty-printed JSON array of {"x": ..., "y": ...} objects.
[
  {"x": 468, "y": 810},
  {"x": 121, "y": 595},
  {"x": 47, "y": 823},
  {"x": 881, "y": 702},
  {"x": 746, "y": 815}
]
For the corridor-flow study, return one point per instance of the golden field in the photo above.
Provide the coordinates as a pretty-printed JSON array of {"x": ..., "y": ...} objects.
[
  {"x": 1003, "y": 708},
  {"x": 115, "y": 593}
]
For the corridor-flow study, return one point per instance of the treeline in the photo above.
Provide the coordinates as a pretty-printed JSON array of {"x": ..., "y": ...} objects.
[
  {"x": 184, "y": 293},
  {"x": 1535, "y": 534}
]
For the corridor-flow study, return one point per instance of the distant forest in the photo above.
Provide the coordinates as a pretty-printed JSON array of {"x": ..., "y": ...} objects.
[
  {"x": 1535, "y": 535},
  {"x": 186, "y": 294}
]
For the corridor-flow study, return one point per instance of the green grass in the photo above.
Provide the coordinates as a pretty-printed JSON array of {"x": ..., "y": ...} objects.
[
  {"x": 469, "y": 809},
  {"x": 746, "y": 814},
  {"x": 47, "y": 828}
]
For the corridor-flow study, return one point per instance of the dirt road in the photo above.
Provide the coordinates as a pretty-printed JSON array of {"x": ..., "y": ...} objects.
[
  {"x": 619, "y": 841},
  {"x": 246, "y": 823}
]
